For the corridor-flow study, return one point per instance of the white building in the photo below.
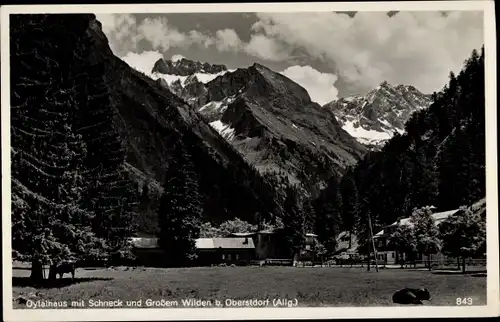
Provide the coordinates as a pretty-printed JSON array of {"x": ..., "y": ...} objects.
[{"x": 386, "y": 254}]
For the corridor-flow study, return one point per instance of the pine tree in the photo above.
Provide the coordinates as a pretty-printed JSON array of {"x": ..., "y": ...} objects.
[
  {"x": 350, "y": 202},
  {"x": 293, "y": 221},
  {"x": 50, "y": 172},
  {"x": 309, "y": 213},
  {"x": 113, "y": 198},
  {"x": 328, "y": 215},
  {"x": 180, "y": 209}
]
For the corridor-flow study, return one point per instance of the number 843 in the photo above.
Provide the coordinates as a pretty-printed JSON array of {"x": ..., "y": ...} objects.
[{"x": 464, "y": 301}]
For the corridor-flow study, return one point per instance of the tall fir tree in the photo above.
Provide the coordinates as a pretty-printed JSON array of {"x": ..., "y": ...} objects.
[
  {"x": 52, "y": 218},
  {"x": 293, "y": 221},
  {"x": 180, "y": 209},
  {"x": 328, "y": 215},
  {"x": 350, "y": 201}
]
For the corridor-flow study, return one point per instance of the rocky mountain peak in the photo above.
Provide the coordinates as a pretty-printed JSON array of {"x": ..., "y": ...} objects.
[
  {"x": 375, "y": 117},
  {"x": 272, "y": 121},
  {"x": 186, "y": 67}
]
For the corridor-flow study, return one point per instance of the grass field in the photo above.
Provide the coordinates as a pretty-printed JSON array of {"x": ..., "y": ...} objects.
[{"x": 309, "y": 286}]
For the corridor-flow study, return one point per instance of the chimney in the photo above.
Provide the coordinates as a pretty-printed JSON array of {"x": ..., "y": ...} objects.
[{"x": 246, "y": 241}]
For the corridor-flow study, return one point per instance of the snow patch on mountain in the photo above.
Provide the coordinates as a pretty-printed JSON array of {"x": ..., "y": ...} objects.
[
  {"x": 367, "y": 137},
  {"x": 225, "y": 130},
  {"x": 202, "y": 77},
  {"x": 177, "y": 57}
]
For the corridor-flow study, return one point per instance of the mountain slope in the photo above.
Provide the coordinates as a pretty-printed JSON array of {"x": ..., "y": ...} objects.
[
  {"x": 149, "y": 121},
  {"x": 374, "y": 118},
  {"x": 272, "y": 121}
]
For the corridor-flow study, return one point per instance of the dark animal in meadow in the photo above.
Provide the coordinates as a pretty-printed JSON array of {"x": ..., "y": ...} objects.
[
  {"x": 22, "y": 300},
  {"x": 61, "y": 269},
  {"x": 411, "y": 296}
]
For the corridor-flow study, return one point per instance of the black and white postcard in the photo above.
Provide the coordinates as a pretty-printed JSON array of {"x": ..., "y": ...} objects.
[{"x": 236, "y": 161}]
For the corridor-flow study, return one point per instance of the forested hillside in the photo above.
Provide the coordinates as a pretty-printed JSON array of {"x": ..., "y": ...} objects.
[
  {"x": 93, "y": 142},
  {"x": 439, "y": 161}
]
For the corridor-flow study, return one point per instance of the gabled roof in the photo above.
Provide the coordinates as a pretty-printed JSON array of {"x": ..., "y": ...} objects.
[
  {"x": 438, "y": 218},
  {"x": 201, "y": 243},
  {"x": 225, "y": 243}
]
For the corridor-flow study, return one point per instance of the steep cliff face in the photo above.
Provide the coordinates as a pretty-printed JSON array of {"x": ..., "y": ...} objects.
[
  {"x": 272, "y": 121},
  {"x": 374, "y": 118},
  {"x": 149, "y": 120}
]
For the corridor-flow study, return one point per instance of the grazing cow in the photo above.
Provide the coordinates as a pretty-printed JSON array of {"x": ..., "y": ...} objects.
[
  {"x": 411, "y": 296},
  {"x": 61, "y": 269}
]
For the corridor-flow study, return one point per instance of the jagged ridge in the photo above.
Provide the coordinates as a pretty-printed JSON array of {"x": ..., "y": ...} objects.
[{"x": 374, "y": 118}]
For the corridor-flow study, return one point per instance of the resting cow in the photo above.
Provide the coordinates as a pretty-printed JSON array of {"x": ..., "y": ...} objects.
[
  {"x": 61, "y": 269},
  {"x": 411, "y": 296}
]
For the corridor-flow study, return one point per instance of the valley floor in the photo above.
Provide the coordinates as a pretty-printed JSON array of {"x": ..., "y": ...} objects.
[{"x": 327, "y": 286}]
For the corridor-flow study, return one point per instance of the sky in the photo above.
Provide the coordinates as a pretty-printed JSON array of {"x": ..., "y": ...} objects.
[{"x": 331, "y": 54}]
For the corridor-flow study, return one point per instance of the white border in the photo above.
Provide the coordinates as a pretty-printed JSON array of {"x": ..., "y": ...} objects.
[{"x": 493, "y": 295}]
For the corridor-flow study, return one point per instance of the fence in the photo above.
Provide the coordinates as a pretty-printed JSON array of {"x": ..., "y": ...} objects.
[{"x": 272, "y": 262}]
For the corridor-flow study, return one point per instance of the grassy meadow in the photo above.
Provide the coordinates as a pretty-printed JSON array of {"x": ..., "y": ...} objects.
[{"x": 326, "y": 286}]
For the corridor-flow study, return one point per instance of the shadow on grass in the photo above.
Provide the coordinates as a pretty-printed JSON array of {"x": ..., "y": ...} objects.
[
  {"x": 472, "y": 273},
  {"x": 58, "y": 283},
  {"x": 21, "y": 268}
]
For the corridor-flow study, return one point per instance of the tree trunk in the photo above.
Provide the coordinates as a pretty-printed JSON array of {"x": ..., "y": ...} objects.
[
  {"x": 463, "y": 264},
  {"x": 36, "y": 271},
  {"x": 458, "y": 262},
  {"x": 429, "y": 261},
  {"x": 368, "y": 267}
]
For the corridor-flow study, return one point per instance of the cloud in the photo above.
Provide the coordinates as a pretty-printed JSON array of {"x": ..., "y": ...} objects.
[
  {"x": 121, "y": 31},
  {"x": 142, "y": 62},
  {"x": 266, "y": 48},
  {"x": 418, "y": 48},
  {"x": 228, "y": 40},
  {"x": 320, "y": 86},
  {"x": 124, "y": 34},
  {"x": 163, "y": 36}
]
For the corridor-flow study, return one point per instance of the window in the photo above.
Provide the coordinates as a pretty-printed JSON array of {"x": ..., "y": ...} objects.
[
  {"x": 223, "y": 256},
  {"x": 237, "y": 256},
  {"x": 228, "y": 257}
]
